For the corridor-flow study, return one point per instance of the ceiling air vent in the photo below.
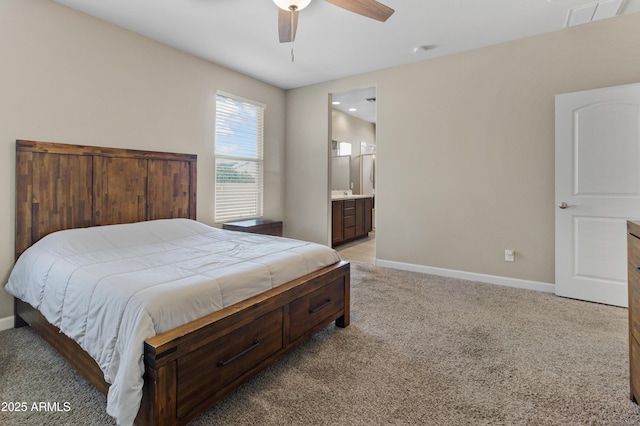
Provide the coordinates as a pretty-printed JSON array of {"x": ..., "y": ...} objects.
[{"x": 593, "y": 12}]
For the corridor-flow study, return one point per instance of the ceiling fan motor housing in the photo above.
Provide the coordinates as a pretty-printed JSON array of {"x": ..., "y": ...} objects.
[{"x": 292, "y": 4}]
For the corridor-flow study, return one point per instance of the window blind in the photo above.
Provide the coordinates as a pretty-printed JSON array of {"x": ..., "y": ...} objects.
[{"x": 238, "y": 159}]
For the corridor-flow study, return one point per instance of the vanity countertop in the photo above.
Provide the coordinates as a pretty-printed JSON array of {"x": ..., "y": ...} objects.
[{"x": 349, "y": 197}]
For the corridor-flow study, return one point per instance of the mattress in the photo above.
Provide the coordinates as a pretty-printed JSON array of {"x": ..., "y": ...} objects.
[{"x": 109, "y": 288}]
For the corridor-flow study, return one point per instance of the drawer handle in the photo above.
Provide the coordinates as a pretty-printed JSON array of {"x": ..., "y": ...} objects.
[
  {"x": 246, "y": 351},
  {"x": 321, "y": 307},
  {"x": 638, "y": 269}
]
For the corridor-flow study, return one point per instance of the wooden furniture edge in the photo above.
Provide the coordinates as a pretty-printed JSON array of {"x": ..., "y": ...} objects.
[
  {"x": 59, "y": 148},
  {"x": 633, "y": 233},
  {"x": 288, "y": 291},
  {"x": 163, "y": 365},
  {"x": 26, "y": 315}
]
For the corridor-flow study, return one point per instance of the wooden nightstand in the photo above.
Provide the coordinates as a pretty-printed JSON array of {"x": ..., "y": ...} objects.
[{"x": 256, "y": 226}]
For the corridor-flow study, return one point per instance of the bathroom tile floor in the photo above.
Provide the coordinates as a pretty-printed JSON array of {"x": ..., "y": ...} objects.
[{"x": 362, "y": 250}]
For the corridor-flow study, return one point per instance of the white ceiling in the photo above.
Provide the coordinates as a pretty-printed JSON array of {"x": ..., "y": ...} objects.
[{"x": 332, "y": 43}]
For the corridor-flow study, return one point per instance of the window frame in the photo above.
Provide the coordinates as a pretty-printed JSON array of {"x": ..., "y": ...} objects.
[{"x": 223, "y": 212}]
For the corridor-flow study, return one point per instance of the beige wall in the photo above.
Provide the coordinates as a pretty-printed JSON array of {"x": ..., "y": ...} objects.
[
  {"x": 465, "y": 142},
  {"x": 465, "y": 149},
  {"x": 67, "y": 77},
  {"x": 347, "y": 128}
]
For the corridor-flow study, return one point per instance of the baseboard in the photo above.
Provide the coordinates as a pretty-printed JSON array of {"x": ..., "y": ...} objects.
[
  {"x": 471, "y": 276},
  {"x": 6, "y": 323}
]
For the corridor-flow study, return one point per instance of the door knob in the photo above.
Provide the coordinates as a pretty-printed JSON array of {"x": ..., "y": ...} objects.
[{"x": 564, "y": 205}]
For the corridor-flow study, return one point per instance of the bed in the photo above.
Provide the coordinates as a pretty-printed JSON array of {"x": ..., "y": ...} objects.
[{"x": 190, "y": 366}]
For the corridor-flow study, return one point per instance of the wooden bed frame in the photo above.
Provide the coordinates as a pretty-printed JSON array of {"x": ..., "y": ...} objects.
[{"x": 187, "y": 369}]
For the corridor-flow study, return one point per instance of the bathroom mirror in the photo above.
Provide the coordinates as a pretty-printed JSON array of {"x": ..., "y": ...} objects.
[{"x": 341, "y": 173}]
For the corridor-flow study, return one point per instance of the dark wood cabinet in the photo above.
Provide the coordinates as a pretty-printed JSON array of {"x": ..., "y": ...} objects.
[
  {"x": 256, "y": 226},
  {"x": 351, "y": 218},
  {"x": 348, "y": 219},
  {"x": 633, "y": 263},
  {"x": 336, "y": 222},
  {"x": 368, "y": 215},
  {"x": 359, "y": 225}
]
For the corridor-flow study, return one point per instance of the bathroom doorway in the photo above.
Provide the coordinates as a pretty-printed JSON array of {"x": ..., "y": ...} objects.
[{"x": 352, "y": 168}]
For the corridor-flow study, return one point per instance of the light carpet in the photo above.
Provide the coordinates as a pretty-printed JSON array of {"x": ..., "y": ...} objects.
[{"x": 420, "y": 350}]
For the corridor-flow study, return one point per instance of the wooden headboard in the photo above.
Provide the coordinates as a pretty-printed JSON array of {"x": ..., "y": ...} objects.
[{"x": 61, "y": 186}]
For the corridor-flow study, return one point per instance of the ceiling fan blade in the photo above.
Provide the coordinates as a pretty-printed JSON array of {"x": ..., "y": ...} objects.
[
  {"x": 369, "y": 8},
  {"x": 287, "y": 25}
]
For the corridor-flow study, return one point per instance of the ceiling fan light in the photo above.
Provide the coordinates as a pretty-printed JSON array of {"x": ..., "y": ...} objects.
[{"x": 292, "y": 4}]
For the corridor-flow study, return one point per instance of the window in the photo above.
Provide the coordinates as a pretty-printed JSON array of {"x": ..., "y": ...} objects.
[
  {"x": 344, "y": 148},
  {"x": 238, "y": 158}
]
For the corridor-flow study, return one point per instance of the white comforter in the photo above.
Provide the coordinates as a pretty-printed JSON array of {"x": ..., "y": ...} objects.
[{"x": 109, "y": 288}]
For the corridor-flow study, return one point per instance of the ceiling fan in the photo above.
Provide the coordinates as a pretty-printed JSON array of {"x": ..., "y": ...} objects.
[{"x": 288, "y": 13}]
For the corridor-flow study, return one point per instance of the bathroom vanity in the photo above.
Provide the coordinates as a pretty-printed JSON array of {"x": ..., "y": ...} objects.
[{"x": 352, "y": 217}]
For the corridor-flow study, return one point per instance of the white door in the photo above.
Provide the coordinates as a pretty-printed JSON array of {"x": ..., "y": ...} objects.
[{"x": 597, "y": 190}]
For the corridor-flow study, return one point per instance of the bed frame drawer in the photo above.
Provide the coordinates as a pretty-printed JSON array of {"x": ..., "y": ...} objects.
[
  {"x": 313, "y": 309},
  {"x": 224, "y": 360}
]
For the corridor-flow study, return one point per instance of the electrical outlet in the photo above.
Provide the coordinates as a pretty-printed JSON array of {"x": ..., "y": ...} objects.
[{"x": 509, "y": 255}]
